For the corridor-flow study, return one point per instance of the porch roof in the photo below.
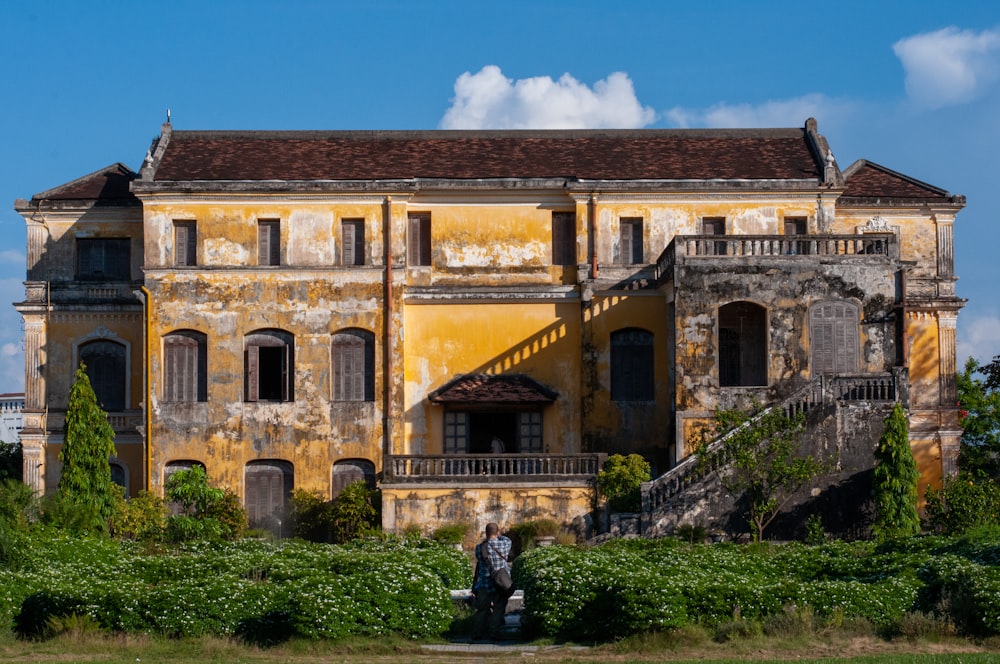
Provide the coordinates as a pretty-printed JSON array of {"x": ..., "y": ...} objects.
[{"x": 504, "y": 389}]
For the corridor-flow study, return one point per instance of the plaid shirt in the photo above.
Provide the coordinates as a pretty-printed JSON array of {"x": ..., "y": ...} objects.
[{"x": 491, "y": 555}]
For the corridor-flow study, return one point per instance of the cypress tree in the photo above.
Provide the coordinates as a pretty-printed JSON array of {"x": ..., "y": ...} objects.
[
  {"x": 87, "y": 448},
  {"x": 895, "y": 480}
]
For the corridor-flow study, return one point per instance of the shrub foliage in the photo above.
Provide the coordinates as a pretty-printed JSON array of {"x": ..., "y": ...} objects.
[
  {"x": 620, "y": 482},
  {"x": 895, "y": 480}
]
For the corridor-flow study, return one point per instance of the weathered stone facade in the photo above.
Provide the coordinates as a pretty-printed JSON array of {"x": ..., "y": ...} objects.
[{"x": 301, "y": 309}]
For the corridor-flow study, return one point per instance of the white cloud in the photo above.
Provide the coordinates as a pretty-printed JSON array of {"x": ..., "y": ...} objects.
[
  {"x": 773, "y": 113},
  {"x": 948, "y": 66},
  {"x": 978, "y": 337},
  {"x": 490, "y": 100}
]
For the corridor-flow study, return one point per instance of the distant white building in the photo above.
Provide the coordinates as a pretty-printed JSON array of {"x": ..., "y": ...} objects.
[{"x": 11, "y": 406}]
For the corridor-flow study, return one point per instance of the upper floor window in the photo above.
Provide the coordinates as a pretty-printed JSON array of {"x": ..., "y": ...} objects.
[
  {"x": 185, "y": 367},
  {"x": 185, "y": 243},
  {"x": 269, "y": 242},
  {"x": 632, "y": 377},
  {"x": 107, "y": 259},
  {"x": 742, "y": 345},
  {"x": 106, "y": 366},
  {"x": 833, "y": 338},
  {"x": 714, "y": 226},
  {"x": 797, "y": 226},
  {"x": 564, "y": 238},
  {"x": 418, "y": 240},
  {"x": 353, "y": 356},
  {"x": 630, "y": 250},
  {"x": 352, "y": 232},
  {"x": 269, "y": 358}
]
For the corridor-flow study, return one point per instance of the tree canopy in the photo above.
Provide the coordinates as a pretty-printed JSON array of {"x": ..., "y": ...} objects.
[
  {"x": 979, "y": 401},
  {"x": 88, "y": 446},
  {"x": 895, "y": 480}
]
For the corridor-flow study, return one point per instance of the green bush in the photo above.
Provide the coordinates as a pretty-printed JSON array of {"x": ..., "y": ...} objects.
[
  {"x": 620, "y": 482},
  {"x": 312, "y": 517},
  {"x": 452, "y": 533},
  {"x": 142, "y": 518},
  {"x": 963, "y": 504}
]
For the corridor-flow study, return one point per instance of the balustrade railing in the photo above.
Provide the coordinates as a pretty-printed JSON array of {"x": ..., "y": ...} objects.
[
  {"x": 462, "y": 467},
  {"x": 743, "y": 246},
  {"x": 819, "y": 391},
  {"x": 121, "y": 421}
]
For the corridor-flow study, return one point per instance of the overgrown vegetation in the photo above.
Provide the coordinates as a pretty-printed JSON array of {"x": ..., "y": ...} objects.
[
  {"x": 355, "y": 512},
  {"x": 86, "y": 494},
  {"x": 758, "y": 458},
  {"x": 620, "y": 482},
  {"x": 895, "y": 480}
]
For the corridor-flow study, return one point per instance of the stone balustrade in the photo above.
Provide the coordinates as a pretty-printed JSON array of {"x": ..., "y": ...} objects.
[{"x": 463, "y": 468}]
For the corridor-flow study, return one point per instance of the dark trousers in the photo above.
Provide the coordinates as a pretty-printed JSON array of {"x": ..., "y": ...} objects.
[{"x": 490, "y": 609}]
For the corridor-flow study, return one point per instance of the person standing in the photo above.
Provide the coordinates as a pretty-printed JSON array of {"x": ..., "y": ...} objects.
[{"x": 489, "y": 601}]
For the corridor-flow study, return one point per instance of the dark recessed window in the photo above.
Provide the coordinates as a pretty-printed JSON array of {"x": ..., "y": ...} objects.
[{"x": 103, "y": 259}]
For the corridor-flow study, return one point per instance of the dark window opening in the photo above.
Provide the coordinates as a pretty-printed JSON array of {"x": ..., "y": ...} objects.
[
  {"x": 269, "y": 358},
  {"x": 797, "y": 226},
  {"x": 493, "y": 432},
  {"x": 104, "y": 259},
  {"x": 118, "y": 476},
  {"x": 632, "y": 368},
  {"x": 742, "y": 345},
  {"x": 105, "y": 367},
  {"x": 715, "y": 226}
]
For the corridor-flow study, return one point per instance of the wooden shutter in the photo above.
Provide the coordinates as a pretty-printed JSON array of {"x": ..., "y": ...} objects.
[
  {"x": 833, "y": 337},
  {"x": 419, "y": 239},
  {"x": 185, "y": 243},
  {"x": 353, "y": 241},
  {"x": 347, "y": 241},
  {"x": 353, "y": 354},
  {"x": 84, "y": 258},
  {"x": 253, "y": 372},
  {"x": 630, "y": 241},
  {"x": 456, "y": 432}
]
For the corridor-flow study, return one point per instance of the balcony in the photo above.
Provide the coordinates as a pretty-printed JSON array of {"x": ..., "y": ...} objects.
[
  {"x": 125, "y": 422},
  {"x": 467, "y": 469},
  {"x": 686, "y": 248}
]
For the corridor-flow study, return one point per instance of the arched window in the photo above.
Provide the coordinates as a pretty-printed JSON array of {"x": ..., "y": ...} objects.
[
  {"x": 742, "y": 345},
  {"x": 350, "y": 471},
  {"x": 105, "y": 362},
  {"x": 185, "y": 366},
  {"x": 833, "y": 338},
  {"x": 119, "y": 475},
  {"x": 353, "y": 357},
  {"x": 268, "y": 487},
  {"x": 632, "y": 365},
  {"x": 269, "y": 358}
]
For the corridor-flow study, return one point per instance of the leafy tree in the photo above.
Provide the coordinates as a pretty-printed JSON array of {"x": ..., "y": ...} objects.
[
  {"x": 895, "y": 480},
  {"x": 963, "y": 504},
  {"x": 10, "y": 461},
  {"x": 758, "y": 458},
  {"x": 142, "y": 518},
  {"x": 355, "y": 512},
  {"x": 979, "y": 402},
  {"x": 620, "y": 482},
  {"x": 85, "y": 485},
  {"x": 207, "y": 512}
]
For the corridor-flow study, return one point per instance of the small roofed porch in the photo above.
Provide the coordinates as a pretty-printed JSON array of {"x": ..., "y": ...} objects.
[{"x": 495, "y": 464}]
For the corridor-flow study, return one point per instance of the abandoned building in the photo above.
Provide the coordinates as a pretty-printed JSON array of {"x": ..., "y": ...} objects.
[{"x": 473, "y": 321}]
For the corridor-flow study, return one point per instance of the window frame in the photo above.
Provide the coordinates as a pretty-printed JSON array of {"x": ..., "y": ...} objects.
[
  {"x": 630, "y": 241},
  {"x": 352, "y": 242},
  {"x": 252, "y": 369},
  {"x": 115, "y": 258},
  {"x": 715, "y": 226},
  {"x": 836, "y": 334},
  {"x": 269, "y": 242},
  {"x": 741, "y": 363},
  {"x": 109, "y": 383},
  {"x": 276, "y": 499},
  {"x": 564, "y": 238},
  {"x": 418, "y": 239},
  {"x": 185, "y": 367},
  {"x": 352, "y": 364},
  {"x": 185, "y": 243},
  {"x": 633, "y": 365}
]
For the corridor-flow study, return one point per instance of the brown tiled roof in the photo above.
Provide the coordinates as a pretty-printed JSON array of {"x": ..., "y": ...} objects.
[
  {"x": 391, "y": 155},
  {"x": 109, "y": 185},
  {"x": 489, "y": 389},
  {"x": 868, "y": 180}
]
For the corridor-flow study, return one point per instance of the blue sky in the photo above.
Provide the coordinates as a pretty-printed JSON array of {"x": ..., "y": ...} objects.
[{"x": 912, "y": 85}]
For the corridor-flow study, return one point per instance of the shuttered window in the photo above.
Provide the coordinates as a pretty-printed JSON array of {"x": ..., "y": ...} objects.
[
  {"x": 564, "y": 238},
  {"x": 104, "y": 259},
  {"x": 347, "y": 472},
  {"x": 185, "y": 243},
  {"x": 833, "y": 338},
  {"x": 418, "y": 240},
  {"x": 630, "y": 242},
  {"x": 632, "y": 377},
  {"x": 105, "y": 367},
  {"x": 742, "y": 345},
  {"x": 269, "y": 366},
  {"x": 353, "y": 356},
  {"x": 269, "y": 242},
  {"x": 185, "y": 367},
  {"x": 268, "y": 487},
  {"x": 353, "y": 241}
]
